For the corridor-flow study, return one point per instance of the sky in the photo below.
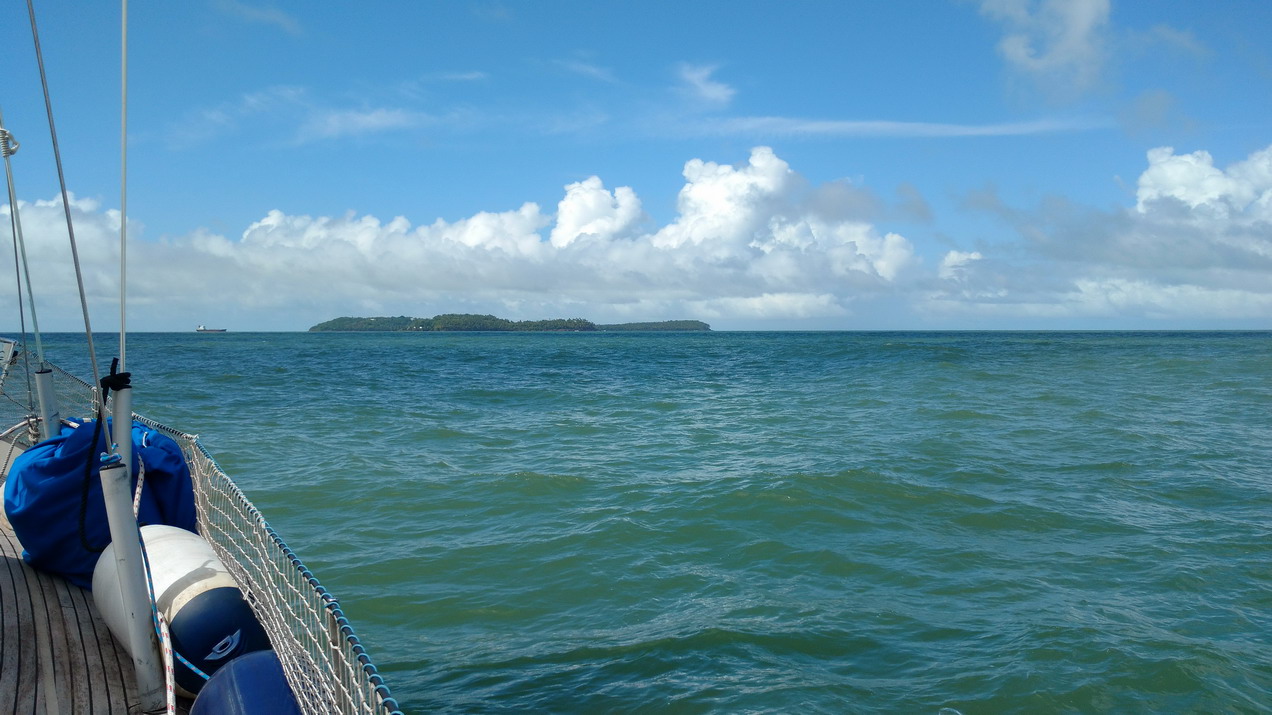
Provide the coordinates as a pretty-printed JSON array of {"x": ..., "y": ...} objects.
[{"x": 804, "y": 164}]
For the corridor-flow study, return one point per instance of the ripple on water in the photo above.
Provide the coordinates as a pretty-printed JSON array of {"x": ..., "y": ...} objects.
[{"x": 820, "y": 522}]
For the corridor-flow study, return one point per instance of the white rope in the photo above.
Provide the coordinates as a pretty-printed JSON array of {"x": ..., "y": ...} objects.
[
  {"x": 141, "y": 480},
  {"x": 169, "y": 675}
]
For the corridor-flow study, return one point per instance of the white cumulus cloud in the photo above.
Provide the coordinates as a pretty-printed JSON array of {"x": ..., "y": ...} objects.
[
  {"x": 1242, "y": 192},
  {"x": 589, "y": 210},
  {"x": 750, "y": 241},
  {"x": 746, "y": 243},
  {"x": 1195, "y": 246}
]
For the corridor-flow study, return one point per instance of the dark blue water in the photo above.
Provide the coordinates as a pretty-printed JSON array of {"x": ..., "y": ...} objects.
[{"x": 764, "y": 522}]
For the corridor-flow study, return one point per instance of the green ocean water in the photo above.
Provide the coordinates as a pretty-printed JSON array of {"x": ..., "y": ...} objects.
[{"x": 762, "y": 522}]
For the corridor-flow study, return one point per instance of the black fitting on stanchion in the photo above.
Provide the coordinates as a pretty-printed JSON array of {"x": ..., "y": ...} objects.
[{"x": 115, "y": 380}]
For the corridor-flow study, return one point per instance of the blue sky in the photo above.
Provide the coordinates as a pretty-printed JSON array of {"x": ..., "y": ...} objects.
[{"x": 758, "y": 165}]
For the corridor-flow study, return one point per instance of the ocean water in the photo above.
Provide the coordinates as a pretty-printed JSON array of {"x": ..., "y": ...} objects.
[{"x": 763, "y": 522}]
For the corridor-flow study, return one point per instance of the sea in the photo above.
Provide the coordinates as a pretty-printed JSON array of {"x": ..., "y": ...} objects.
[{"x": 761, "y": 522}]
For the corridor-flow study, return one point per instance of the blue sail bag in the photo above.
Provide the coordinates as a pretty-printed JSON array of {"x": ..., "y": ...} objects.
[{"x": 61, "y": 522}]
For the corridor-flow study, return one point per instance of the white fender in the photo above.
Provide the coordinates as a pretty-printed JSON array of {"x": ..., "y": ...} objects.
[{"x": 208, "y": 618}]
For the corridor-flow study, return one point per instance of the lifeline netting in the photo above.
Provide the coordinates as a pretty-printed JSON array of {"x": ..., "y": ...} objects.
[{"x": 327, "y": 667}]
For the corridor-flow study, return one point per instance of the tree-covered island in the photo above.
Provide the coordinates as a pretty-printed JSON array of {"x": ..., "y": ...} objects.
[{"x": 467, "y": 322}]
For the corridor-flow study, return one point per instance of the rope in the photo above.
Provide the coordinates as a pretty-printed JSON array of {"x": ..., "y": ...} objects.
[
  {"x": 141, "y": 480},
  {"x": 9, "y": 432},
  {"x": 165, "y": 638},
  {"x": 169, "y": 675},
  {"x": 193, "y": 668},
  {"x": 84, "y": 487},
  {"x": 114, "y": 381},
  {"x": 326, "y": 666},
  {"x": 9, "y": 450}
]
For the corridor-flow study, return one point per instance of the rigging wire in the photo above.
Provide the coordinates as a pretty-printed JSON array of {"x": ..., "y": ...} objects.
[
  {"x": 9, "y": 147},
  {"x": 123, "y": 190},
  {"x": 66, "y": 209}
]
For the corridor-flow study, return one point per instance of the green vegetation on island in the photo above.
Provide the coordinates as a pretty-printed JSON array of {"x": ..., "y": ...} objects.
[{"x": 467, "y": 322}]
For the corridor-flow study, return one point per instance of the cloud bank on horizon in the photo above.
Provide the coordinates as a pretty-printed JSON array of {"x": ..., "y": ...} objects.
[
  {"x": 752, "y": 242},
  {"x": 759, "y": 231}
]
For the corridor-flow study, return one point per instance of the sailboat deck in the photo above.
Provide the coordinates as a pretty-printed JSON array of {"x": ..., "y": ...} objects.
[{"x": 56, "y": 654}]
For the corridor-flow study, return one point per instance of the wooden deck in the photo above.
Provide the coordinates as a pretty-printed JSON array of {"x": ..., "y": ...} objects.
[{"x": 56, "y": 654}]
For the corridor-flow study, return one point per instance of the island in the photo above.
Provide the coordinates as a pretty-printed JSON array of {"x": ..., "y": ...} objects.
[{"x": 467, "y": 322}]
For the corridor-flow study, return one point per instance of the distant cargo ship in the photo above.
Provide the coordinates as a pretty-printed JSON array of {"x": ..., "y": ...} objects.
[{"x": 205, "y": 329}]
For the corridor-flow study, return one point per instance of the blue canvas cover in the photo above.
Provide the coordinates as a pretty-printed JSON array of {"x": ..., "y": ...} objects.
[{"x": 44, "y": 492}]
